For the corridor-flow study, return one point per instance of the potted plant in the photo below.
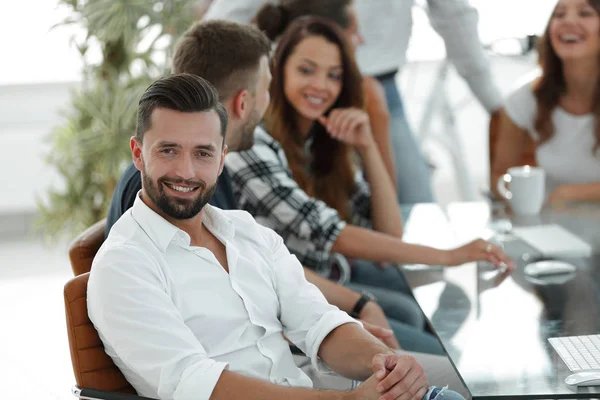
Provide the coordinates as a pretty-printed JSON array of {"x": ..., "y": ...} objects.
[{"x": 131, "y": 41}]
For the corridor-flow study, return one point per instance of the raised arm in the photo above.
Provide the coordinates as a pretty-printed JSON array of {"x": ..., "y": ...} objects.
[
  {"x": 353, "y": 127},
  {"x": 379, "y": 116},
  {"x": 456, "y": 21},
  {"x": 386, "y": 216}
]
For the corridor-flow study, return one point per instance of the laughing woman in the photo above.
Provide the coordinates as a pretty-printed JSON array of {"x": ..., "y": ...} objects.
[{"x": 560, "y": 109}]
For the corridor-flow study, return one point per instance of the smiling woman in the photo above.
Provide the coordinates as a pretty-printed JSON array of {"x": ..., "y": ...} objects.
[
  {"x": 314, "y": 59},
  {"x": 314, "y": 74},
  {"x": 560, "y": 109}
]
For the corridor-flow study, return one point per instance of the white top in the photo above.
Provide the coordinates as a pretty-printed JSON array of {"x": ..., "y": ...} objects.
[
  {"x": 386, "y": 26},
  {"x": 567, "y": 157},
  {"x": 172, "y": 318}
]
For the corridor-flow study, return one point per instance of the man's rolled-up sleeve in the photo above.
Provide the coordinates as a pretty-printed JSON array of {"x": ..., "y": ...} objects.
[
  {"x": 144, "y": 332},
  {"x": 306, "y": 315}
]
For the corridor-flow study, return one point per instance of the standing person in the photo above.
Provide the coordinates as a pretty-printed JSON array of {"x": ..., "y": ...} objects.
[
  {"x": 386, "y": 26},
  {"x": 191, "y": 302},
  {"x": 560, "y": 108}
]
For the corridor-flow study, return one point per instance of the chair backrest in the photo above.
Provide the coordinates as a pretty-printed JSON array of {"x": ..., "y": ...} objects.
[
  {"x": 85, "y": 246},
  {"x": 528, "y": 154},
  {"x": 92, "y": 367}
]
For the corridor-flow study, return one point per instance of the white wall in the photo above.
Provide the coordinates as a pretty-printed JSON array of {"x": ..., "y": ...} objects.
[
  {"x": 41, "y": 66},
  {"x": 27, "y": 114}
]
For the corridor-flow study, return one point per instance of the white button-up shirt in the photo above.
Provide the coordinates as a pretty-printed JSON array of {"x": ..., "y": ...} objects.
[{"x": 172, "y": 318}]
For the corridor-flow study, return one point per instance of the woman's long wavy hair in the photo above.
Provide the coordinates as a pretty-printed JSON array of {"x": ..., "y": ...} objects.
[
  {"x": 328, "y": 173},
  {"x": 552, "y": 85}
]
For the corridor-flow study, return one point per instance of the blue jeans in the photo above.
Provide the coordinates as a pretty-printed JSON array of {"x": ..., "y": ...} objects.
[
  {"x": 399, "y": 306},
  {"x": 393, "y": 288},
  {"x": 435, "y": 374},
  {"x": 436, "y": 393},
  {"x": 404, "y": 319},
  {"x": 412, "y": 172}
]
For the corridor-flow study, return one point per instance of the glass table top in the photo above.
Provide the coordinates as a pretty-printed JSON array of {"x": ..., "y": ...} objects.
[{"x": 495, "y": 326}]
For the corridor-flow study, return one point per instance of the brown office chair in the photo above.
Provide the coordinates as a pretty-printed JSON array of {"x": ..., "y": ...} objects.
[
  {"x": 528, "y": 154},
  {"x": 85, "y": 246},
  {"x": 96, "y": 375},
  {"x": 494, "y": 131}
]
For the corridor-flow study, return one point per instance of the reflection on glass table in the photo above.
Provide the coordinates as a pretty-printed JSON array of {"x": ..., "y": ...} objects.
[{"x": 495, "y": 326}]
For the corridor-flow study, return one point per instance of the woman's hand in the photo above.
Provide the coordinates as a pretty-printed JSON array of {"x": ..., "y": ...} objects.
[
  {"x": 481, "y": 250},
  {"x": 560, "y": 195},
  {"x": 349, "y": 125}
]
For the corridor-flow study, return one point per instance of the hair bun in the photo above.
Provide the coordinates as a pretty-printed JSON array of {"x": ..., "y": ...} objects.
[{"x": 272, "y": 19}]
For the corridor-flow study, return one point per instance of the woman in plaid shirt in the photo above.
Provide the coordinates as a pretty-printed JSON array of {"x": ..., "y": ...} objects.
[{"x": 304, "y": 178}]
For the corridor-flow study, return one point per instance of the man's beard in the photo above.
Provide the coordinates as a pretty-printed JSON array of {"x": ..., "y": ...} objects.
[
  {"x": 246, "y": 134},
  {"x": 177, "y": 208}
]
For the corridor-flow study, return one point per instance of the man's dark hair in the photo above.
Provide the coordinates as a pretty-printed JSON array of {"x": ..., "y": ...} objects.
[
  {"x": 225, "y": 53},
  {"x": 180, "y": 92}
]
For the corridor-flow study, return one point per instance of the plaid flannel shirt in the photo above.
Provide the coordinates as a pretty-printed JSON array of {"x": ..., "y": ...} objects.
[{"x": 264, "y": 186}]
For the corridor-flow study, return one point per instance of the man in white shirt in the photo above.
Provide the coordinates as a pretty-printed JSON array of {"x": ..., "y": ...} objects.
[
  {"x": 386, "y": 27},
  {"x": 191, "y": 301},
  {"x": 234, "y": 58}
]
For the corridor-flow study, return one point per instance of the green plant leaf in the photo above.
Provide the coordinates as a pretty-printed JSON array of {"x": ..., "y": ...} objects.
[{"x": 89, "y": 149}]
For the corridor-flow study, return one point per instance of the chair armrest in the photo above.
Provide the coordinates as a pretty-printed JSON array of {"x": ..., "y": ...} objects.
[{"x": 95, "y": 394}]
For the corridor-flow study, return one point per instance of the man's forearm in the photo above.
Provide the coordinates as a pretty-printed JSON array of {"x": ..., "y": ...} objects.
[
  {"x": 349, "y": 351},
  {"x": 235, "y": 386},
  {"x": 336, "y": 294},
  {"x": 356, "y": 242}
]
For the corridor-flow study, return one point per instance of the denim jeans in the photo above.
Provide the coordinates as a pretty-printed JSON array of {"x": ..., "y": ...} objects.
[
  {"x": 412, "y": 172},
  {"x": 436, "y": 393},
  {"x": 398, "y": 308},
  {"x": 438, "y": 370},
  {"x": 398, "y": 304}
]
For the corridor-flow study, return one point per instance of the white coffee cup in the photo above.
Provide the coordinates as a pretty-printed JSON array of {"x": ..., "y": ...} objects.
[{"x": 526, "y": 189}]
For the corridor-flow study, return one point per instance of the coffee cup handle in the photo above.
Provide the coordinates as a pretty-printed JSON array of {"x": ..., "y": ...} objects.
[{"x": 501, "y": 186}]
